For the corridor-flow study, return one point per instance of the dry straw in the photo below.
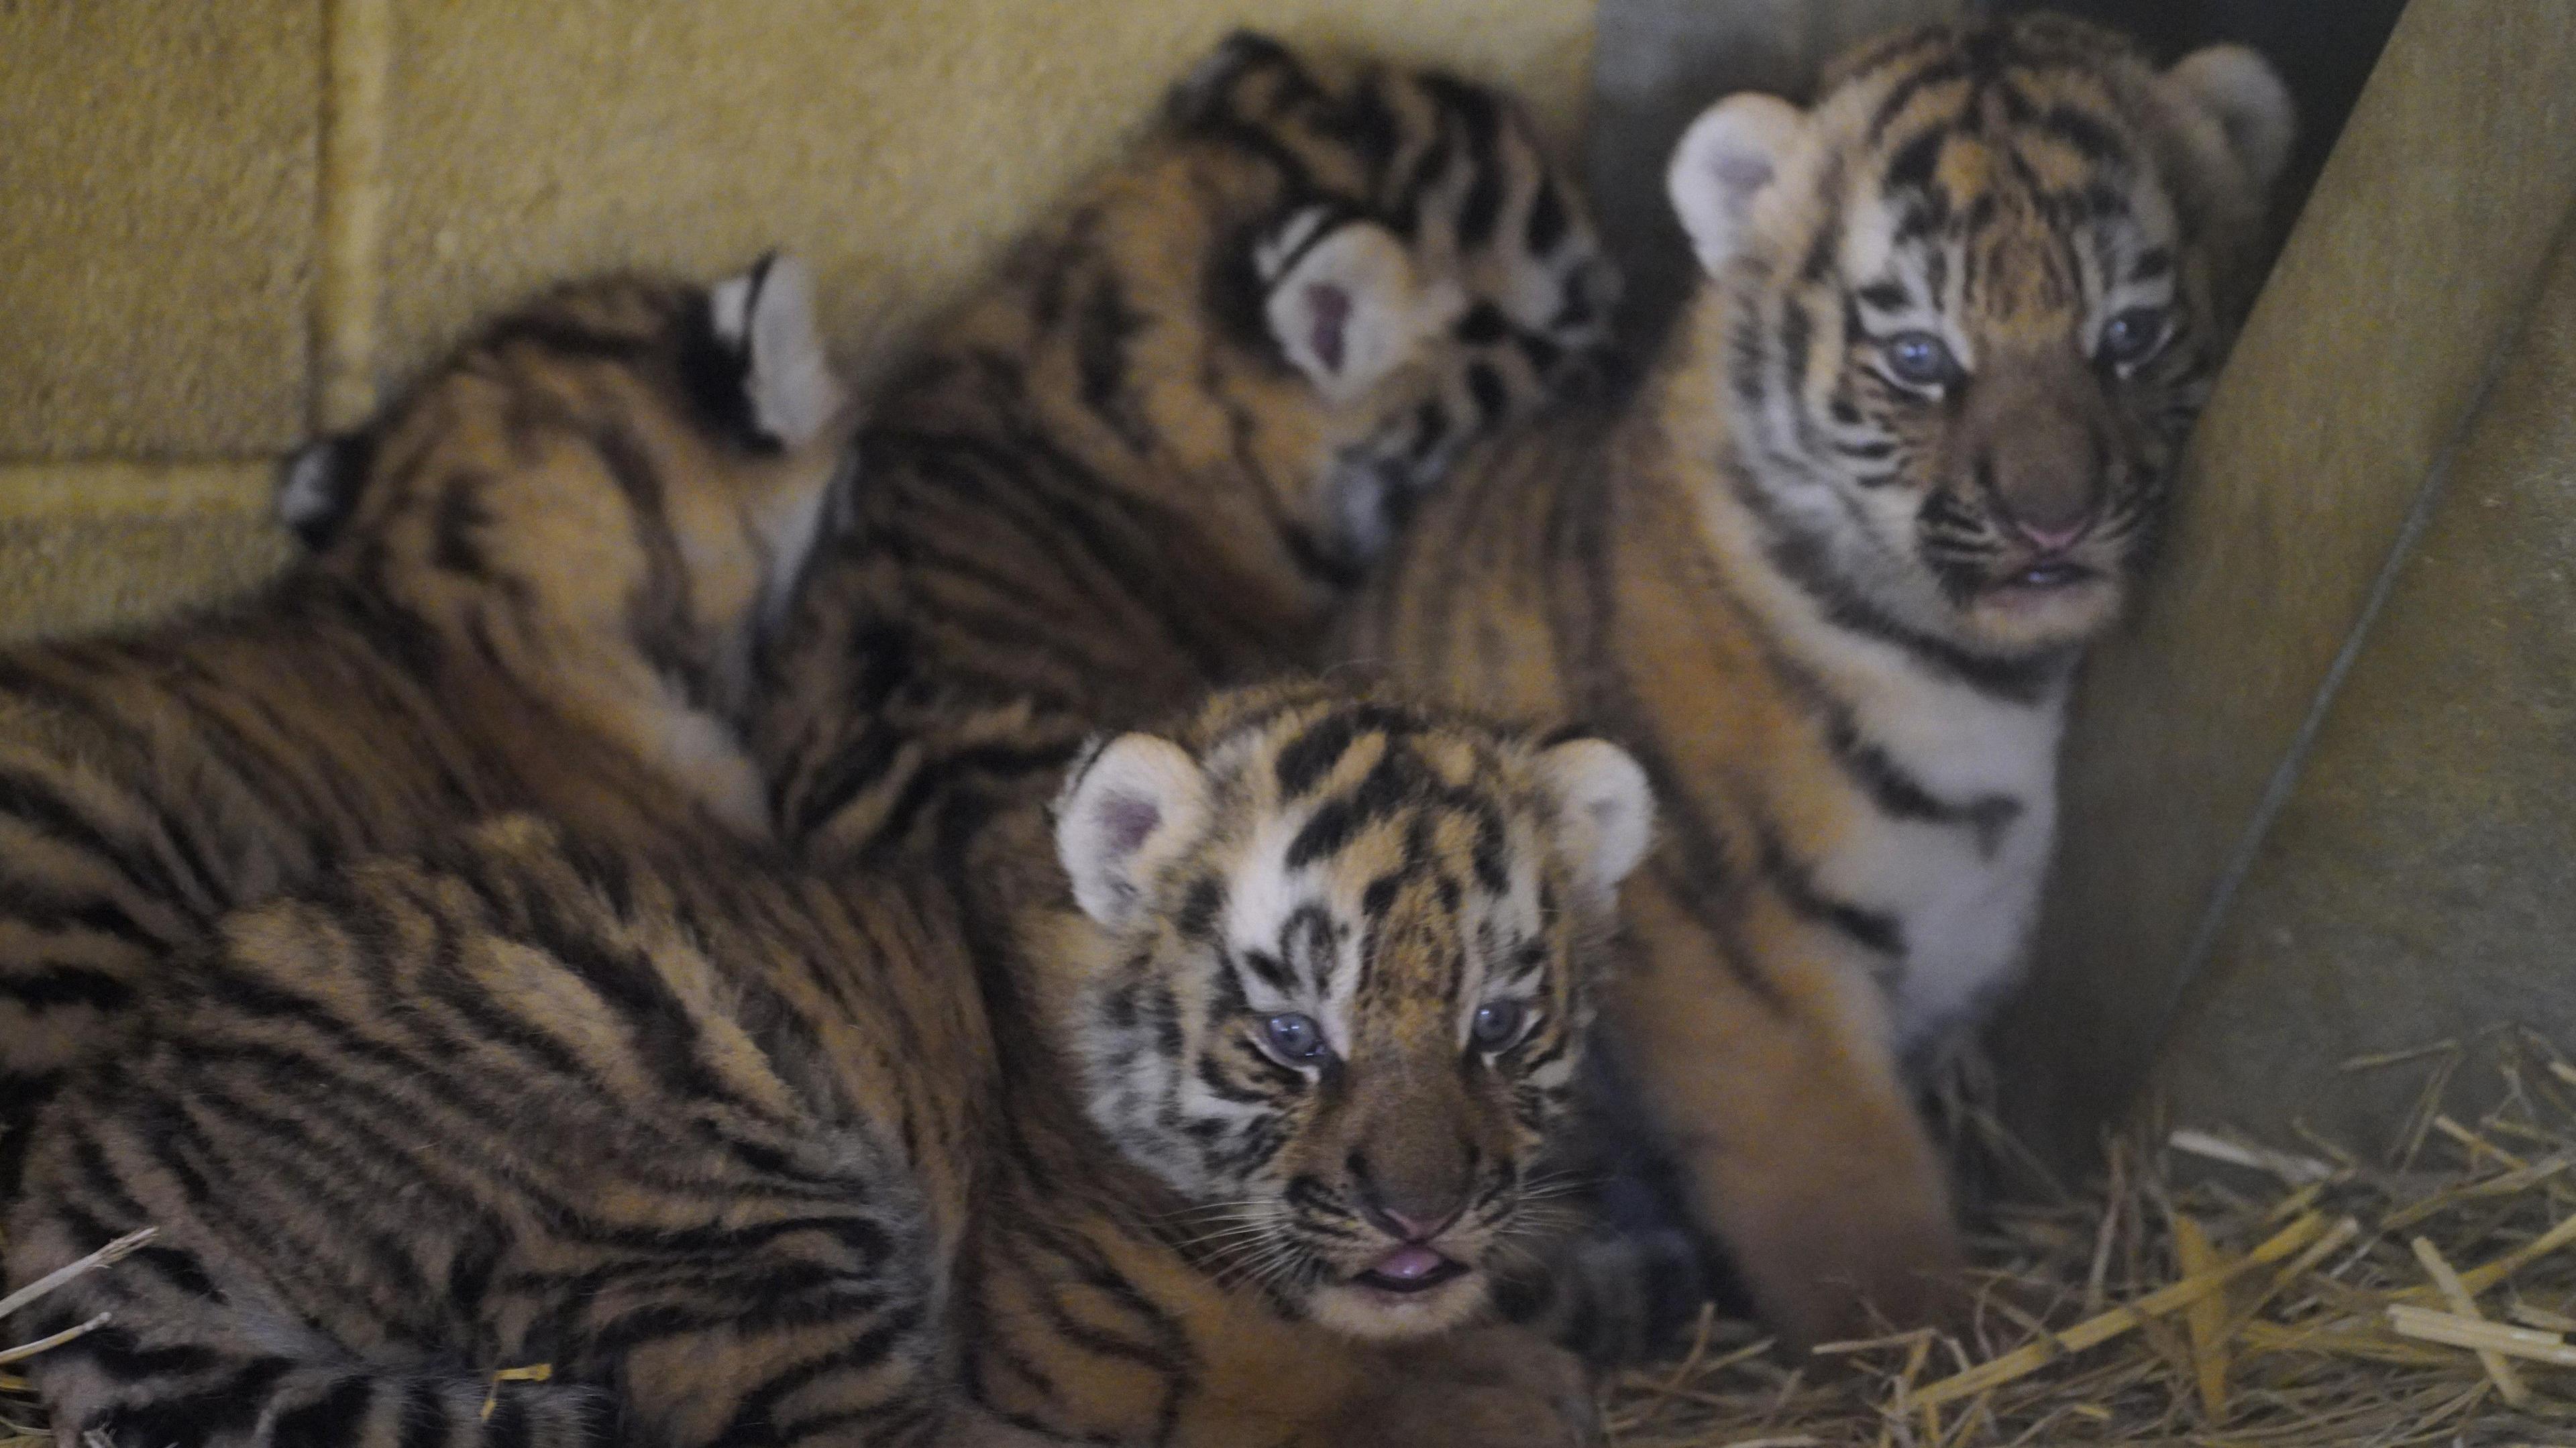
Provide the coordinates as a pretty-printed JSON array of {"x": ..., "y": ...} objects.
[{"x": 2281, "y": 1300}]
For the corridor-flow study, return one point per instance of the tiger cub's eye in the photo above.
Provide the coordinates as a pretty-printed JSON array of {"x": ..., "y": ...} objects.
[
  {"x": 1919, "y": 359},
  {"x": 2135, "y": 335},
  {"x": 1294, "y": 1037},
  {"x": 1498, "y": 1024}
]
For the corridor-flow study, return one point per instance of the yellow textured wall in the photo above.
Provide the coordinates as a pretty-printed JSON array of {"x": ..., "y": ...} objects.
[{"x": 222, "y": 225}]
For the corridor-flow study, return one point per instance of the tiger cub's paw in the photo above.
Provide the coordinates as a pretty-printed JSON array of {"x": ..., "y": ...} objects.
[{"x": 1489, "y": 1388}]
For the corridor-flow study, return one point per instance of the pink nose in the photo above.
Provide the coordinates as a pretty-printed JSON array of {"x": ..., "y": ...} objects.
[
  {"x": 1419, "y": 1229},
  {"x": 2053, "y": 540}
]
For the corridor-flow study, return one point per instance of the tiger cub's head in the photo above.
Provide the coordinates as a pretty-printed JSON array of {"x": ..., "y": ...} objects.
[
  {"x": 1330, "y": 276},
  {"x": 602, "y": 496},
  {"x": 1350, "y": 948},
  {"x": 1966, "y": 309}
]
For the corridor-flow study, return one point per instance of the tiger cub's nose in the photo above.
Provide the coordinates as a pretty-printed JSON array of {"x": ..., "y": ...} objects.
[{"x": 1415, "y": 1216}]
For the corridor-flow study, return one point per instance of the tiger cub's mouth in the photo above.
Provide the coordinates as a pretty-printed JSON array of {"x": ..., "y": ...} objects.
[
  {"x": 2050, "y": 574},
  {"x": 1411, "y": 1268}
]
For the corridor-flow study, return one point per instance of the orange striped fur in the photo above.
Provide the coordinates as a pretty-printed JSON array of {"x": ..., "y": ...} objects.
[{"x": 1828, "y": 573}]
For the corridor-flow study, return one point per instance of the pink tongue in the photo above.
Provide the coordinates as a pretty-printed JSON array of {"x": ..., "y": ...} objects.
[{"x": 1405, "y": 1264}]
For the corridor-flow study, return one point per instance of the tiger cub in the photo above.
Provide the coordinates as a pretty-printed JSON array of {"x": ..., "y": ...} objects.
[
  {"x": 1829, "y": 574},
  {"x": 733, "y": 1152},
  {"x": 533, "y": 585},
  {"x": 1154, "y": 451}
]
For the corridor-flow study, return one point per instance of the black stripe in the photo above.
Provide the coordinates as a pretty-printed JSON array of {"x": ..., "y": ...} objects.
[
  {"x": 1304, "y": 761},
  {"x": 2096, "y": 142},
  {"x": 755, "y": 1416},
  {"x": 1807, "y": 562},
  {"x": 1796, "y": 884},
  {"x": 330, "y": 1421},
  {"x": 52, "y": 984},
  {"x": 1903, "y": 93},
  {"x": 1910, "y": 168},
  {"x": 424, "y": 1415},
  {"x": 1481, "y": 120},
  {"x": 508, "y": 1427},
  {"x": 1102, "y": 330},
  {"x": 458, "y": 518},
  {"x": 1898, "y": 794},
  {"x": 1547, "y": 223},
  {"x": 45, "y": 806}
]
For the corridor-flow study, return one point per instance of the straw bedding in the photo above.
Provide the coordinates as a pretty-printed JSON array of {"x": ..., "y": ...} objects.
[{"x": 2202, "y": 1291}]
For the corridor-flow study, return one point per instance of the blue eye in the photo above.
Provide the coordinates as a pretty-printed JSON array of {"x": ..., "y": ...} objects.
[
  {"x": 1919, "y": 359},
  {"x": 2134, "y": 336},
  {"x": 1498, "y": 1024},
  {"x": 1294, "y": 1038}
]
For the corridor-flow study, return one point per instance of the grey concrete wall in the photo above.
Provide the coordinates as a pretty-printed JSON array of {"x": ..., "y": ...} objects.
[
  {"x": 2419, "y": 883},
  {"x": 2409, "y": 860},
  {"x": 2416, "y": 260}
]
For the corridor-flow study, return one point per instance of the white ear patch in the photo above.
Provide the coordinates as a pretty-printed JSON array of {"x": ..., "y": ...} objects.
[
  {"x": 2241, "y": 92},
  {"x": 1605, "y": 811},
  {"x": 1123, "y": 813},
  {"x": 1345, "y": 302},
  {"x": 793, "y": 526},
  {"x": 1724, "y": 161},
  {"x": 319, "y": 485},
  {"x": 768, "y": 312}
]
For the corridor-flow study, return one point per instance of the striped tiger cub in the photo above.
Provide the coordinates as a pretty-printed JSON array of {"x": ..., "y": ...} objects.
[
  {"x": 739, "y": 1157},
  {"x": 1828, "y": 575},
  {"x": 534, "y": 584},
  {"x": 1151, "y": 454}
]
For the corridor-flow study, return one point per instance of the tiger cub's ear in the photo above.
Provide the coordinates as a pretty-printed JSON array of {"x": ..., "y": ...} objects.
[
  {"x": 317, "y": 486},
  {"x": 1724, "y": 162},
  {"x": 1344, "y": 301},
  {"x": 1129, "y": 806},
  {"x": 2240, "y": 91},
  {"x": 1605, "y": 812},
  {"x": 766, "y": 318},
  {"x": 785, "y": 391},
  {"x": 1201, "y": 96}
]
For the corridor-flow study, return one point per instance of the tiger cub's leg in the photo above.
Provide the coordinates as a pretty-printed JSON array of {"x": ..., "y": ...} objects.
[
  {"x": 1498, "y": 1387},
  {"x": 449, "y": 1121},
  {"x": 187, "y": 1359},
  {"x": 819, "y": 1362},
  {"x": 1796, "y": 1139}
]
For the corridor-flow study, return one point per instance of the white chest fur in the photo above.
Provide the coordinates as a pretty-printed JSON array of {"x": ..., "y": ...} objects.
[
  {"x": 1961, "y": 882},
  {"x": 1964, "y": 895},
  {"x": 1959, "y": 874}
]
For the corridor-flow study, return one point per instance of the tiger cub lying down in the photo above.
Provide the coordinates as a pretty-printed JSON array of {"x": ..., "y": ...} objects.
[
  {"x": 730, "y": 1148},
  {"x": 1829, "y": 575},
  {"x": 535, "y": 585},
  {"x": 1146, "y": 459}
]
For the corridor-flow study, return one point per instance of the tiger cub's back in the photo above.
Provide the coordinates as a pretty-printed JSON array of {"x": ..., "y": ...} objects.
[{"x": 534, "y": 584}]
